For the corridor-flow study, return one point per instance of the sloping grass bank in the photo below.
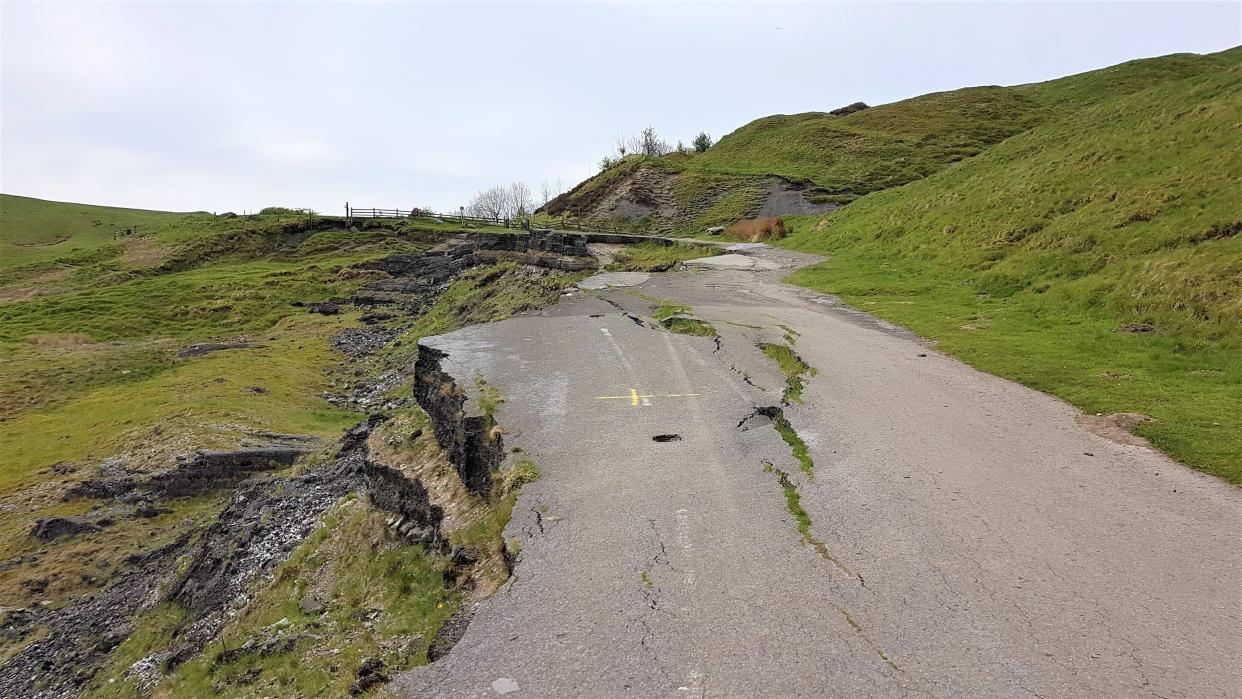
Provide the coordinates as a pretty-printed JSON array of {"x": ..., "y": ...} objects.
[{"x": 1095, "y": 258}]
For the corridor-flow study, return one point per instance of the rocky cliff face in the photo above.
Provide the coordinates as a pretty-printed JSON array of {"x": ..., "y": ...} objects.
[
  {"x": 472, "y": 442},
  {"x": 650, "y": 198}
]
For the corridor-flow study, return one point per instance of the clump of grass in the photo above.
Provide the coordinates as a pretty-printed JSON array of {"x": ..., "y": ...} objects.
[
  {"x": 489, "y": 399},
  {"x": 796, "y": 445},
  {"x": 792, "y": 366},
  {"x": 793, "y": 503},
  {"x": 658, "y": 257},
  {"x": 490, "y": 293},
  {"x": 758, "y": 230},
  {"x": 674, "y": 318},
  {"x": 689, "y": 326},
  {"x": 668, "y": 309},
  {"x": 519, "y": 474}
]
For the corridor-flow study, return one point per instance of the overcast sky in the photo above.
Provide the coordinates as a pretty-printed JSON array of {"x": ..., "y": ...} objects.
[{"x": 236, "y": 106}]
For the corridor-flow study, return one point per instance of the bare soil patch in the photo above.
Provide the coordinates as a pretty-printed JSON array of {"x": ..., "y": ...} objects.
[{"x": 1116, "y": 427}]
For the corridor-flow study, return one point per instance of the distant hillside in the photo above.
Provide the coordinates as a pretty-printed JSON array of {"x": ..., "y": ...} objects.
[{"x": 813, "y": 162}]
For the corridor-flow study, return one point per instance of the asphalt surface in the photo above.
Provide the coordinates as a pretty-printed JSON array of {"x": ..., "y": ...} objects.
[{"x": 975, "y": 541}]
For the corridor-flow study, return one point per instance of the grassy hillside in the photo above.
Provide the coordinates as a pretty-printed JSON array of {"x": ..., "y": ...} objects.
[
  {"x": 34, "y": 230},
  {"x": 876, "y": 148},
  {"x": 1033, "y": 258},
  {"x": 838, "y": 158}
]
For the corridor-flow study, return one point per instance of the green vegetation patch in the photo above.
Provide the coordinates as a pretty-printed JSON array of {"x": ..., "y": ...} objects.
[
  {"x": 791, "y": 365},
  {"x": 658, "y": 257},
  {"x": 675, "y": 317},
  {"x": 689, "y": 326},
  {"x": 35, "y": 230},
  {"x": 793, "y": 503},
  {"x": 840, "y": 158},
  {"x": 797, "y": 447},
  {"x": 491, "y": 293},
  {"x": 489, "y": 398}
]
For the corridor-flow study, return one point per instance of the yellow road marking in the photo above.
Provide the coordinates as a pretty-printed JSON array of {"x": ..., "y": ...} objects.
[{"x": 637, "y": 398}]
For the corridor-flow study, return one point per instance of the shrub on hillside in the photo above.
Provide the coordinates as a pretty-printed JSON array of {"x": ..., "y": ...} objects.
[
  {"x": 758, "y": 230},
  {"x": 284, "y": 211}
]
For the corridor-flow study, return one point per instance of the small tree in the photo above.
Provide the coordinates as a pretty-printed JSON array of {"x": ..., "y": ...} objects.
[
  {"x": 490, "y": 203},
  {"x": 518, "y": 203},
  {"x": 651, "y": 143},
  {"x": 702, "y": 142}
]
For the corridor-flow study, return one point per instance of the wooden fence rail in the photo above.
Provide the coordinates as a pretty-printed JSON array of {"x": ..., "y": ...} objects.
[{"x": 561, "y": 222}]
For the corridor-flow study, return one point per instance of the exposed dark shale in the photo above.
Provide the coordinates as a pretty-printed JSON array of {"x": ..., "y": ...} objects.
[
  {"x": 264, "y": 521},
  {"x": 471, "y": 445}
]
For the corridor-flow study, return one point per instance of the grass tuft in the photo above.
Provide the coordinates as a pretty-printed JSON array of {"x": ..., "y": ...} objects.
[{"x": 791, "y": 365}]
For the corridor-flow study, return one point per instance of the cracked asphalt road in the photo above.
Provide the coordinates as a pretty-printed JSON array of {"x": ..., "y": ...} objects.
[{"x": 976, "y": 548}]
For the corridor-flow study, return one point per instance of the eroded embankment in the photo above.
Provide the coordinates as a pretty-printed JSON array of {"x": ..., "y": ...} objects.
[
  {"x": 215, "y": 578},
  {"x": 303, "y": 561},
  {"x": 194, "y": 611}
]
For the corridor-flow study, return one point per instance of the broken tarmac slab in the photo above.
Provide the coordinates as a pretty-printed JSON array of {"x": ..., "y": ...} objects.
[
  {"x": 608, "y": 280},
  {"x": 731, "y": 261}
]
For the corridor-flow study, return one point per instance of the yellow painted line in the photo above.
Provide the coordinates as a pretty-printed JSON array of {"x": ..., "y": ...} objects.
[{"x": 637, "y": 398}]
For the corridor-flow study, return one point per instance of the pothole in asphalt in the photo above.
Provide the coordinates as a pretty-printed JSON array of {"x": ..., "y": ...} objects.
[{"x": 667, "y": 438}]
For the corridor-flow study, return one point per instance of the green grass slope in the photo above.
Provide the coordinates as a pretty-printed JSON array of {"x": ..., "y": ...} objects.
[
  {"x": 34, "y": 230},
  {"x": 876, "y": 148},
  {"x": 1029, "y": 259},
  {"x": 839, "y": 158}
]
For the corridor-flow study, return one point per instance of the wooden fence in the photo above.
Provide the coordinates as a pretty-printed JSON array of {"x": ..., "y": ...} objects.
[
  {"x": 352, "y": 213},
  {"x": 559, "y": 222}
]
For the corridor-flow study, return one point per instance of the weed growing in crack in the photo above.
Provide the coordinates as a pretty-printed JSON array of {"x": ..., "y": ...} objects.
[
  {"x": 674, "y": 318},
  {"x": 689, "y": 326},
  {"x": 793, "y": 503},
  {"x": 791, "y": 365},
  {"x": 799, "y": 448}
]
